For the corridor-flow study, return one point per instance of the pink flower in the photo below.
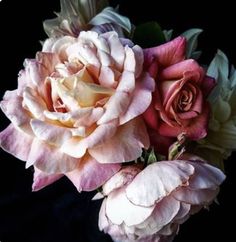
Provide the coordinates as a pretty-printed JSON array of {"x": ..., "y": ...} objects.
[
  {"x": 179, "y": 103},
  {"x": 149, "y": 205},
  {"x": 76, "y": 109}
]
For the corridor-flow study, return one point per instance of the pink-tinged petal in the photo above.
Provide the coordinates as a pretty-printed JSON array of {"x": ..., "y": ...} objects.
[
  {"x": 104, "y": 58},
  {"x": 47, "y": 63},
  {"x": 87, "y": 54},
  {"x": 49, "y": 159},
  {"x": 167, "y": 54},
  {"x": 163, "y": 214},
  {"x": 87, "y": 118},
  {"x": 116, "y": 50},
  {"x": 23, "y": 81},
  {"x": 16, "y": 142},
  {"x": 208, "y": 84},
  {"x": 130, "y": 62},
  {"x": 177, "y": 71},
  {"x": 116, "y": 105},
  {"x": 120, "y": 179},
  {"x": 126, "y": 82},
  {"x": 42, "y": 179},
  {"x": 151, "y": 117},
  {"x": 101, "y": 134},
  {"x": 77, "y": 147},
  {"x": 100, "y": 41},
  {"x": 48, "y": 44},
  {"x": 196, "y": 197},
  {"x": 126, "y": 145},
  {"x": 207, "y": 176},
  {"x": 89, "y": 174},
  {"x": 34, "y": 103},
  {"x": 107, "y": 77},
  {"x": 60, "y": 47},
  {"x": 165, "y": 176},
  {"x": 52, "y": 134},
  {"x": 197, "y": 128},
  {"x": 139, "y": 57},
  {"x": 141, "y": 98},
  {"x": 103, "y": 222},
  {"x": 169, "y": 131},
  {"x": 74, "y": 147},
  {"x": 183, "y": 211},
  {"x": 11, "y": 105},
  {"x": 120, "y": 210}
]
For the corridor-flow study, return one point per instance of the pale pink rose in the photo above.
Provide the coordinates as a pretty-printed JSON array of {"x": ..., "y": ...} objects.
[
  {"x": 149, "y": 205},
  {"x": 76, "y": 109},
  {"x": 179, "y": 102}
]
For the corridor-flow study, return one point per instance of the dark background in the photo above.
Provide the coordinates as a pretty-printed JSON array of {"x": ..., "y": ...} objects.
[{"x": 58, "y": 212}]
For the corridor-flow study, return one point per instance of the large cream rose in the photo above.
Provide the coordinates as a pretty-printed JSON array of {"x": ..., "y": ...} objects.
[{"x": 76, "y": 109}]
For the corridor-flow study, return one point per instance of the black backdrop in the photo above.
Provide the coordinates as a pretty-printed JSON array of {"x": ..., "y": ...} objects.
[{"x": 59, "y": 213}]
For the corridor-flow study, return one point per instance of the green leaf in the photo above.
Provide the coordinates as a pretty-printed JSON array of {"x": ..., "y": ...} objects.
[
  {"x": 192, "y": 40},
  {"x": 152, "y": 157},
  {"x": 109, "y": 15},
  {"x": 168, "y": 34},
  {"x": 149, "y": 35}
]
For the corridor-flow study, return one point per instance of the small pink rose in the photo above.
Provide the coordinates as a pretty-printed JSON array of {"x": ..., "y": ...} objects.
[{"x": 179, "y": 103}]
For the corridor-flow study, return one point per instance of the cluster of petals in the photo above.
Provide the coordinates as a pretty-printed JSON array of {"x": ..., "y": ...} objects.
[
  {"x": 76, "y": 111},
  {"x": 150, "y": 204}
]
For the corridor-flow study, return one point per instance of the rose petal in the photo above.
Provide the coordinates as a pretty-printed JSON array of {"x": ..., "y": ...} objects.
[
  {"x": 107, "y": 77},
  {"x": 11, "y": 105},
  {"x": 167, "y": 54},
  {"x": 196, "y": 197},
  {"x": 42, "y": 179},
  {"x": 207, "y": 176},
  {"x": 177, "y": 71},
  {"x": 126, "y": 82},
  {"x": 129, "y": 213},
  {"x": 120, "y": 179},
  {"x": 49, "y": 159},
  {"x": 77, "y": 147},
  {"x": 163, "y": 214},
  {"x": 208, "y": 84},
  {"x": 16, "y": 142},
  {"x": 116, "y": 50},
  {"x": 139, "y": 58},
  {"x": 165, "y": 176},
  {"x": 141, "y": 98},
  {"x": 126, "y": 145},
  {"x": 116, "y": 105},
  {"x": 195, "y": 130},
  {"x": 34, "y": 103},
  {"x": 89, "y": 174},
  {"x": 50, "y": 133}
]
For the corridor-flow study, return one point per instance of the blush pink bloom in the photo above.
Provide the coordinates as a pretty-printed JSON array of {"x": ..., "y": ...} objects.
[
  {"x": 179, "y": 102},
  {"x": 149, "y": 205},
  {"x": 76, "y": 109}
]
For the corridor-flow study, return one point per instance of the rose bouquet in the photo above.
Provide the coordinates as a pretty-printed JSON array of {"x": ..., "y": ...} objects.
[{"x": 127, "y": 111}]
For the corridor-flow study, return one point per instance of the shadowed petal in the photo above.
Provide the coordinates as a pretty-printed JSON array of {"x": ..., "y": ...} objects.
[
  {"x": 167, "y": 54},
  {"x": 129, "y": 213},
  {"x": 16, "y": 142},
  {"x": 89, "y": 174},
  {"x": 42, "y": 179},
  {"x": 141, "y": 98},
  {"x": 126, "y": 145},
  {"x": 165, "y": 176}
]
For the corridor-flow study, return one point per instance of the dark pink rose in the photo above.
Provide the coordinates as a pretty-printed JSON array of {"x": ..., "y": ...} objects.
[{"x": 179, "y": 102}]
